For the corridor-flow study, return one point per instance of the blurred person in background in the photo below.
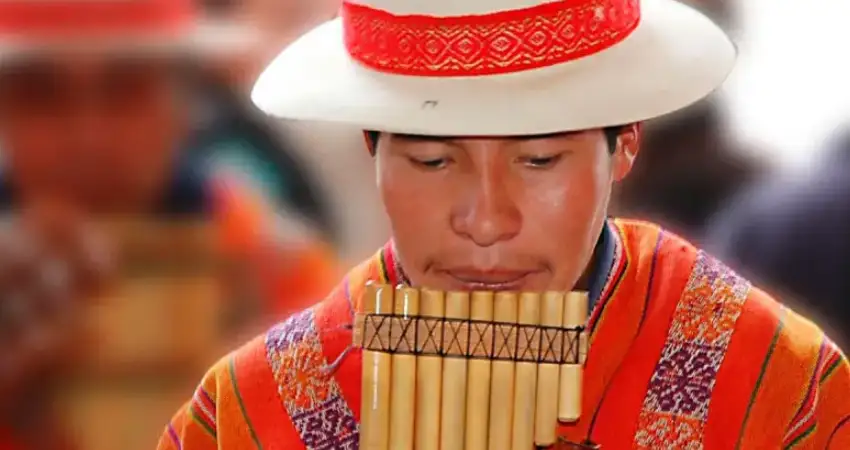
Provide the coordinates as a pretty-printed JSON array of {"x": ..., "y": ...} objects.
[
  {"x": 276, "y": 24},
  {"x": 231, "y": 135},
  {"x": 329, "y": 151},
  {"x": 791, "y": 234},
  {"x": 789, "y": 229},
  {"x": 96, "y": 114},
  {"x": 689, "y": 167},
  {"x": 235, "y": 133},
  {"x": 688, "y": 172},
  {"x": 232, "y": 139}
]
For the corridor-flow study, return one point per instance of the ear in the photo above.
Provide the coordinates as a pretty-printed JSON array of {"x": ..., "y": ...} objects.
[{"x": 628, "y": 145}]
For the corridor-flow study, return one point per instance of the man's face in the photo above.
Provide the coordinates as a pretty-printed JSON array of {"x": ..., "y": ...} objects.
[
  {"x": 98, "y": 129},
  {"x": 498, "y": 213}
]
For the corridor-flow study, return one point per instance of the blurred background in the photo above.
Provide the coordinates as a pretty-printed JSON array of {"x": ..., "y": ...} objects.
[{"x": 153, "y": 219}]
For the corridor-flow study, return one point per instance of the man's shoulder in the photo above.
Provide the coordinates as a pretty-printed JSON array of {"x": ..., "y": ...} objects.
[
  {"x": 286, "y": 339},
  {"x": 710, "y": 282},
  {"x": 774, "y": 331},
  {"x": 266, "y": 365},
  {"x": 651, "y": 249},
  {"x": 318, "y": 333},
  {"x": 259, "y": 391},
  {"x": 717, "y": 308},
  {"x": 285, "y": 378},
  {"x": 321, "y": 332},
  {"x": 797, "y": 339},
  {"x": 652, "y": 244}
]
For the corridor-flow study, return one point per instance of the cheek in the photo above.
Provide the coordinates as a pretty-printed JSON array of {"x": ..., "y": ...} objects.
[
  {"x": 408, "y": 200},
  {"x": 416, "y": 211},
  {"x": 556, "y": 210},
  {"x": 571, "y": 207}
]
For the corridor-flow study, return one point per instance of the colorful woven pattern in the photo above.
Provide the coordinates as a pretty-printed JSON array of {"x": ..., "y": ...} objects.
[
  {"x": 203, "y": 410},
  {"x": 504, "y": 42},
  {"x": 676, "y": 406},
  {"x": 311, "y": 397},
  {"x": 805, "y": 421}
]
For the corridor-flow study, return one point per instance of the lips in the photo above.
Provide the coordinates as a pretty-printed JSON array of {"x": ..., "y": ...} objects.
[{"x": 492, "y": 280}]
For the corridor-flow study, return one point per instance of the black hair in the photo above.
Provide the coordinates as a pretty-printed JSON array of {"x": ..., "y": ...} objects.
[{"x": 611, "y": 135}]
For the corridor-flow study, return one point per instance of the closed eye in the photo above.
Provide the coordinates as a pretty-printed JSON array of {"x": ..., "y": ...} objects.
[
  {"x": 429, "y": 164},
  {"x": 541, "y": 162}
]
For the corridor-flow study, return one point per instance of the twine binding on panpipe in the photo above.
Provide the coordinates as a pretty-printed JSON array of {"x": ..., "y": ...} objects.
[{"x": 468, "y": 338}]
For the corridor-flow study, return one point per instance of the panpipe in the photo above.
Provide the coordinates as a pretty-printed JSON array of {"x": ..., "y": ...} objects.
[{"x": 469, "y": 370}]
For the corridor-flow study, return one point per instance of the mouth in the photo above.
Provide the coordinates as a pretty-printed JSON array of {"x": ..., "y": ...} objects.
[{"x": 490, "y": 280}]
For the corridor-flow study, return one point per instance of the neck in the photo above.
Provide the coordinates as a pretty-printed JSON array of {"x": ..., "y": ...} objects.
[{"x": 584, "y": 281}]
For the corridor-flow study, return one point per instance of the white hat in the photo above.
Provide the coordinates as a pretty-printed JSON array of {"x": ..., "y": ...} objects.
[
  {"x": 30, "y": 27},
  {"x": 497, "y": 67}
]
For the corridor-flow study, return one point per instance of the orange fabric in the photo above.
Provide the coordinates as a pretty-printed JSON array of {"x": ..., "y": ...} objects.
[
  {"x": 260, "y": 401},
  {"x": 739, "y": 376},
  {"x": 295, "y": 276},
  {"x": 650, "y": 282},
  {"x": 211, "y": 427},
  {"x": 332, "y": 318},
  {"x": 840, "y": 438},
  {"x": 796, "y": 370},
  {"x": 619, "y": 316},
  {"x": 684, "y": 354}
]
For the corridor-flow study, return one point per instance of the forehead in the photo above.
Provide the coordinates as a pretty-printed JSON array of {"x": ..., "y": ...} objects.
[{"x": 543, "y": 139}]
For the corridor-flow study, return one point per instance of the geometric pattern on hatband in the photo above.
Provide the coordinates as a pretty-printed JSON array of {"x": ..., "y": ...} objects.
[{"x": 469, "y": 338}]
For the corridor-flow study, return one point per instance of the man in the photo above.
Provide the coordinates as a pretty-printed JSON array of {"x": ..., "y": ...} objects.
[
  {"x": 94, "y": 115},
  {"x": 499, "y": 130}
]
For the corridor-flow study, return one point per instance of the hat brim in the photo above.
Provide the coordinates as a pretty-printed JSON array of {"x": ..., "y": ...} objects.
[
  {"x": 202, "y": 39},
  {"x": 675, "y": 57}
]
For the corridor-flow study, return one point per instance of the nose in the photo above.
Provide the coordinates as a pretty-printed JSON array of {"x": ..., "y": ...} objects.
[{"x": 487, "y": 214}]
